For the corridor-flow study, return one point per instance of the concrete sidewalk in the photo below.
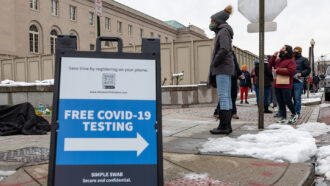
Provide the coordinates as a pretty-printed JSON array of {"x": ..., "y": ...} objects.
[{"x": 184, "y": 130}]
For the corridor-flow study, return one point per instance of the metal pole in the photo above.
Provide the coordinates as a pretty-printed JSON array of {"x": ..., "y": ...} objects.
[
  {"x": 313, "y": 60},
  {"x": 309, "y": 61},
  {"x": 261, "y": 62},
  {"x": 98, "y": 27}
]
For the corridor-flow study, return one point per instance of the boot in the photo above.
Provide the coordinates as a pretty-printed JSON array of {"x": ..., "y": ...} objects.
[
  {"x": 217, "y": 111},
  {"x": 229, "y": 121},
  {"x": 225, "y": 123},
  {"x": 267, "y": 111}
]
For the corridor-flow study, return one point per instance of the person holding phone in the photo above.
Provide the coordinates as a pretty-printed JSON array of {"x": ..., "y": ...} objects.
[{"x": 284, "y": 70}]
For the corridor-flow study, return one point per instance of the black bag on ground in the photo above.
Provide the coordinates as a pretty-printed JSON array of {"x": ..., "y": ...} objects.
[{"x": 21, "y": 119}]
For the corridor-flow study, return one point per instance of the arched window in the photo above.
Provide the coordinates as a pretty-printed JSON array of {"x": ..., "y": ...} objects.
[
  {"x": 53, "y": 37},
  {"x": 73, "y": 32},
  {"x": 34, "y": 39}
]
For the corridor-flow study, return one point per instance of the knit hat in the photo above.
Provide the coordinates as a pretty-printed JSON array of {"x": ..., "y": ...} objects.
[
  {"x": 298, "y": 48},
  {"x": 222, "y": 16},
  {"x": 244, "y": 67}
]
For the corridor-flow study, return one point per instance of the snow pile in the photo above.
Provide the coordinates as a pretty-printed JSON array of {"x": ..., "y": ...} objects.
[
  {"x": 4, "y": 174},
  {"x": 10, "y": 83},
  {"x": 249, "y": 127},
  {"x": 281, "y": 142},
  {"x": 323, "y": 161},
  {"x": 315, "y": 129},
  {"x": 310, "y": 100},
  {"x": 324, "y": 105},
  {"x": 194, "y": 176}
]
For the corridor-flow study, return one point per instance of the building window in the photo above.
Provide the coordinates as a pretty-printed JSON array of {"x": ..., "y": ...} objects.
[
  {"x": 73, "y": 13},
  {"x": 54, "y": 7},
  {"x": 119, "y": 24},
  {"x": 91, "y": 47},
  {"x": 34, "y": 39},
  {"x": 108, "y": 44},
  {"x": 166, "y": 39},
  {"x": 53, "y": 37},
  {"x": 34, "y": 4},
  {"x": 141, "y": 33},
  {"x": 91, "y": 18},
  {"x": 130, "y": 30},
  {"x": 151, "y": 34},
  {"x": 107, "y": 23}
]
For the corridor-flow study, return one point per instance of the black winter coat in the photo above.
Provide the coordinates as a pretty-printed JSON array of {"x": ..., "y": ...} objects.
[
  {"x": 246, "y": 82},
  {"x": 302, "y": 66},
  {"x": 268, "y": 75}
]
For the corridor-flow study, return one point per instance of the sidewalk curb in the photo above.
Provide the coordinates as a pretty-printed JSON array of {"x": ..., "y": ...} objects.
[{"x": 315, "y": 115}]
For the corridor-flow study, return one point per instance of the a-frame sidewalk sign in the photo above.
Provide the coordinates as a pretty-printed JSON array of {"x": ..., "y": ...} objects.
[{"x": 106, "y": 122}]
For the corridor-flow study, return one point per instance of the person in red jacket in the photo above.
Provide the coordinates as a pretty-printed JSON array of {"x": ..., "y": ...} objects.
[{"x": 284, "y": 68}]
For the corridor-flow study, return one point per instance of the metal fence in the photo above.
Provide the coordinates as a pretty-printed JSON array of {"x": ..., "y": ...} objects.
[{"x": 192, "y": 58}]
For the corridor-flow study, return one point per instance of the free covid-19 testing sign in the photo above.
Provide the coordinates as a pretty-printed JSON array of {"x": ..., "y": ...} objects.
[{"x": 106, "y": 116}]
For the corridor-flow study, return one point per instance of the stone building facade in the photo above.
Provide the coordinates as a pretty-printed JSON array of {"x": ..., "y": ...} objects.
[{"x": 30, "y": 27}]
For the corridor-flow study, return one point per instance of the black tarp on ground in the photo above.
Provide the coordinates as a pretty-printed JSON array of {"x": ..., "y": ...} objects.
[{"x": 21, "y": 119}]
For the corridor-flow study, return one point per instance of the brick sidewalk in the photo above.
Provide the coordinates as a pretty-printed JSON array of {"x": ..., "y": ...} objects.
[{"x": 248, "y": 113}]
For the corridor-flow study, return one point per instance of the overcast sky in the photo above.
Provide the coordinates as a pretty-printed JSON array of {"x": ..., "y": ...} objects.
[{"x": 299, "y": 22}]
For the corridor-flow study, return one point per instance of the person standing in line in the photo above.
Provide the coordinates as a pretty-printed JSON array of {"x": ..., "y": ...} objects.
[
  {"x": 268, "y": 78},
  {"x": 222, "y": 68},
  {"x": 284, "y": 69},
  {"x": 316, "y": 81},
  {"x": 254, "y": 77},
  {"x": 302, "y": 70},
  {"x": 245, "y": 84},
  {"x": 238, "y": 74}
]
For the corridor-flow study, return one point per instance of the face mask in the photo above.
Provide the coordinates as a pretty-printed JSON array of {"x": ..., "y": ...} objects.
[
  {"x": 281, "y": 54},
  {"x": 212, "y": 26}
]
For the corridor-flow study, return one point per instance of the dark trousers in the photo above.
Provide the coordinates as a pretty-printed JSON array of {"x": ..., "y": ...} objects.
[
  {"x": 233, "y": 95},
  {"x": 283, "y": 96}
]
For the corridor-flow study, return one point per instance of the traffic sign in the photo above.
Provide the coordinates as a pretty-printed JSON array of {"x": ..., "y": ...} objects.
[
  {"x": 250, "y": 10},
  {"x": 109, "y": 117}
]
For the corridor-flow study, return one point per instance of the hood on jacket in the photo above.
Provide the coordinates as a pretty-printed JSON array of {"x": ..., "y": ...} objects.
[{"x": 228, "y": 28}]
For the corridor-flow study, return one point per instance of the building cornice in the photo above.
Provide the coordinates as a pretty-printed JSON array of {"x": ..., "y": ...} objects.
[{"x": 130, "y": 12}]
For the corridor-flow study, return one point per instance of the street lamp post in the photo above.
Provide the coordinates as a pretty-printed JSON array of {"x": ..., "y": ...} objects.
[{"x": 312, "y": 44}]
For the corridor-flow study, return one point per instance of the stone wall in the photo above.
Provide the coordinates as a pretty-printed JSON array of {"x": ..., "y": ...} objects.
[{"x": 171, "y": 95}]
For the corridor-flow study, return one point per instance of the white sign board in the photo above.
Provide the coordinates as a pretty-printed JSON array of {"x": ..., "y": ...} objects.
[
  {"x": 98, "y": 8},
  {"x": 269, "y": 27}
]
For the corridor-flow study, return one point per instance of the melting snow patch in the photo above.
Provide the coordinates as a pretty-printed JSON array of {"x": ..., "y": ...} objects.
[
  {"x": 324, "y": 105},
  {"x": 280, "y": 143},
  {"x": 249, "y": 127},
  {"x": 4, "y": 174},
  {"x": 192, "y": 176},
  {"x": 316, "y": 129},
  {"x": 310, "y": 100},
  {"x": 10, "y": 83},
  {"x": 323, "y": 161}
]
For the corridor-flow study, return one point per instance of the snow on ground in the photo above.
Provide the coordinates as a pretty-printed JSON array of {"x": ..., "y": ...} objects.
[
  {"x": 10, "y": 83},
  {"x": 313, "y": 95},
  {"x": 278, "y": 142},
  {"x": 323, "y": 161},
  {"x": 310, "y": 100},
  {"x": 4, "y": 174},
  {"x": 314, "y": 128},
  {"x": 249, "y": 127},
  {"x": 192, "y": 176}
]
